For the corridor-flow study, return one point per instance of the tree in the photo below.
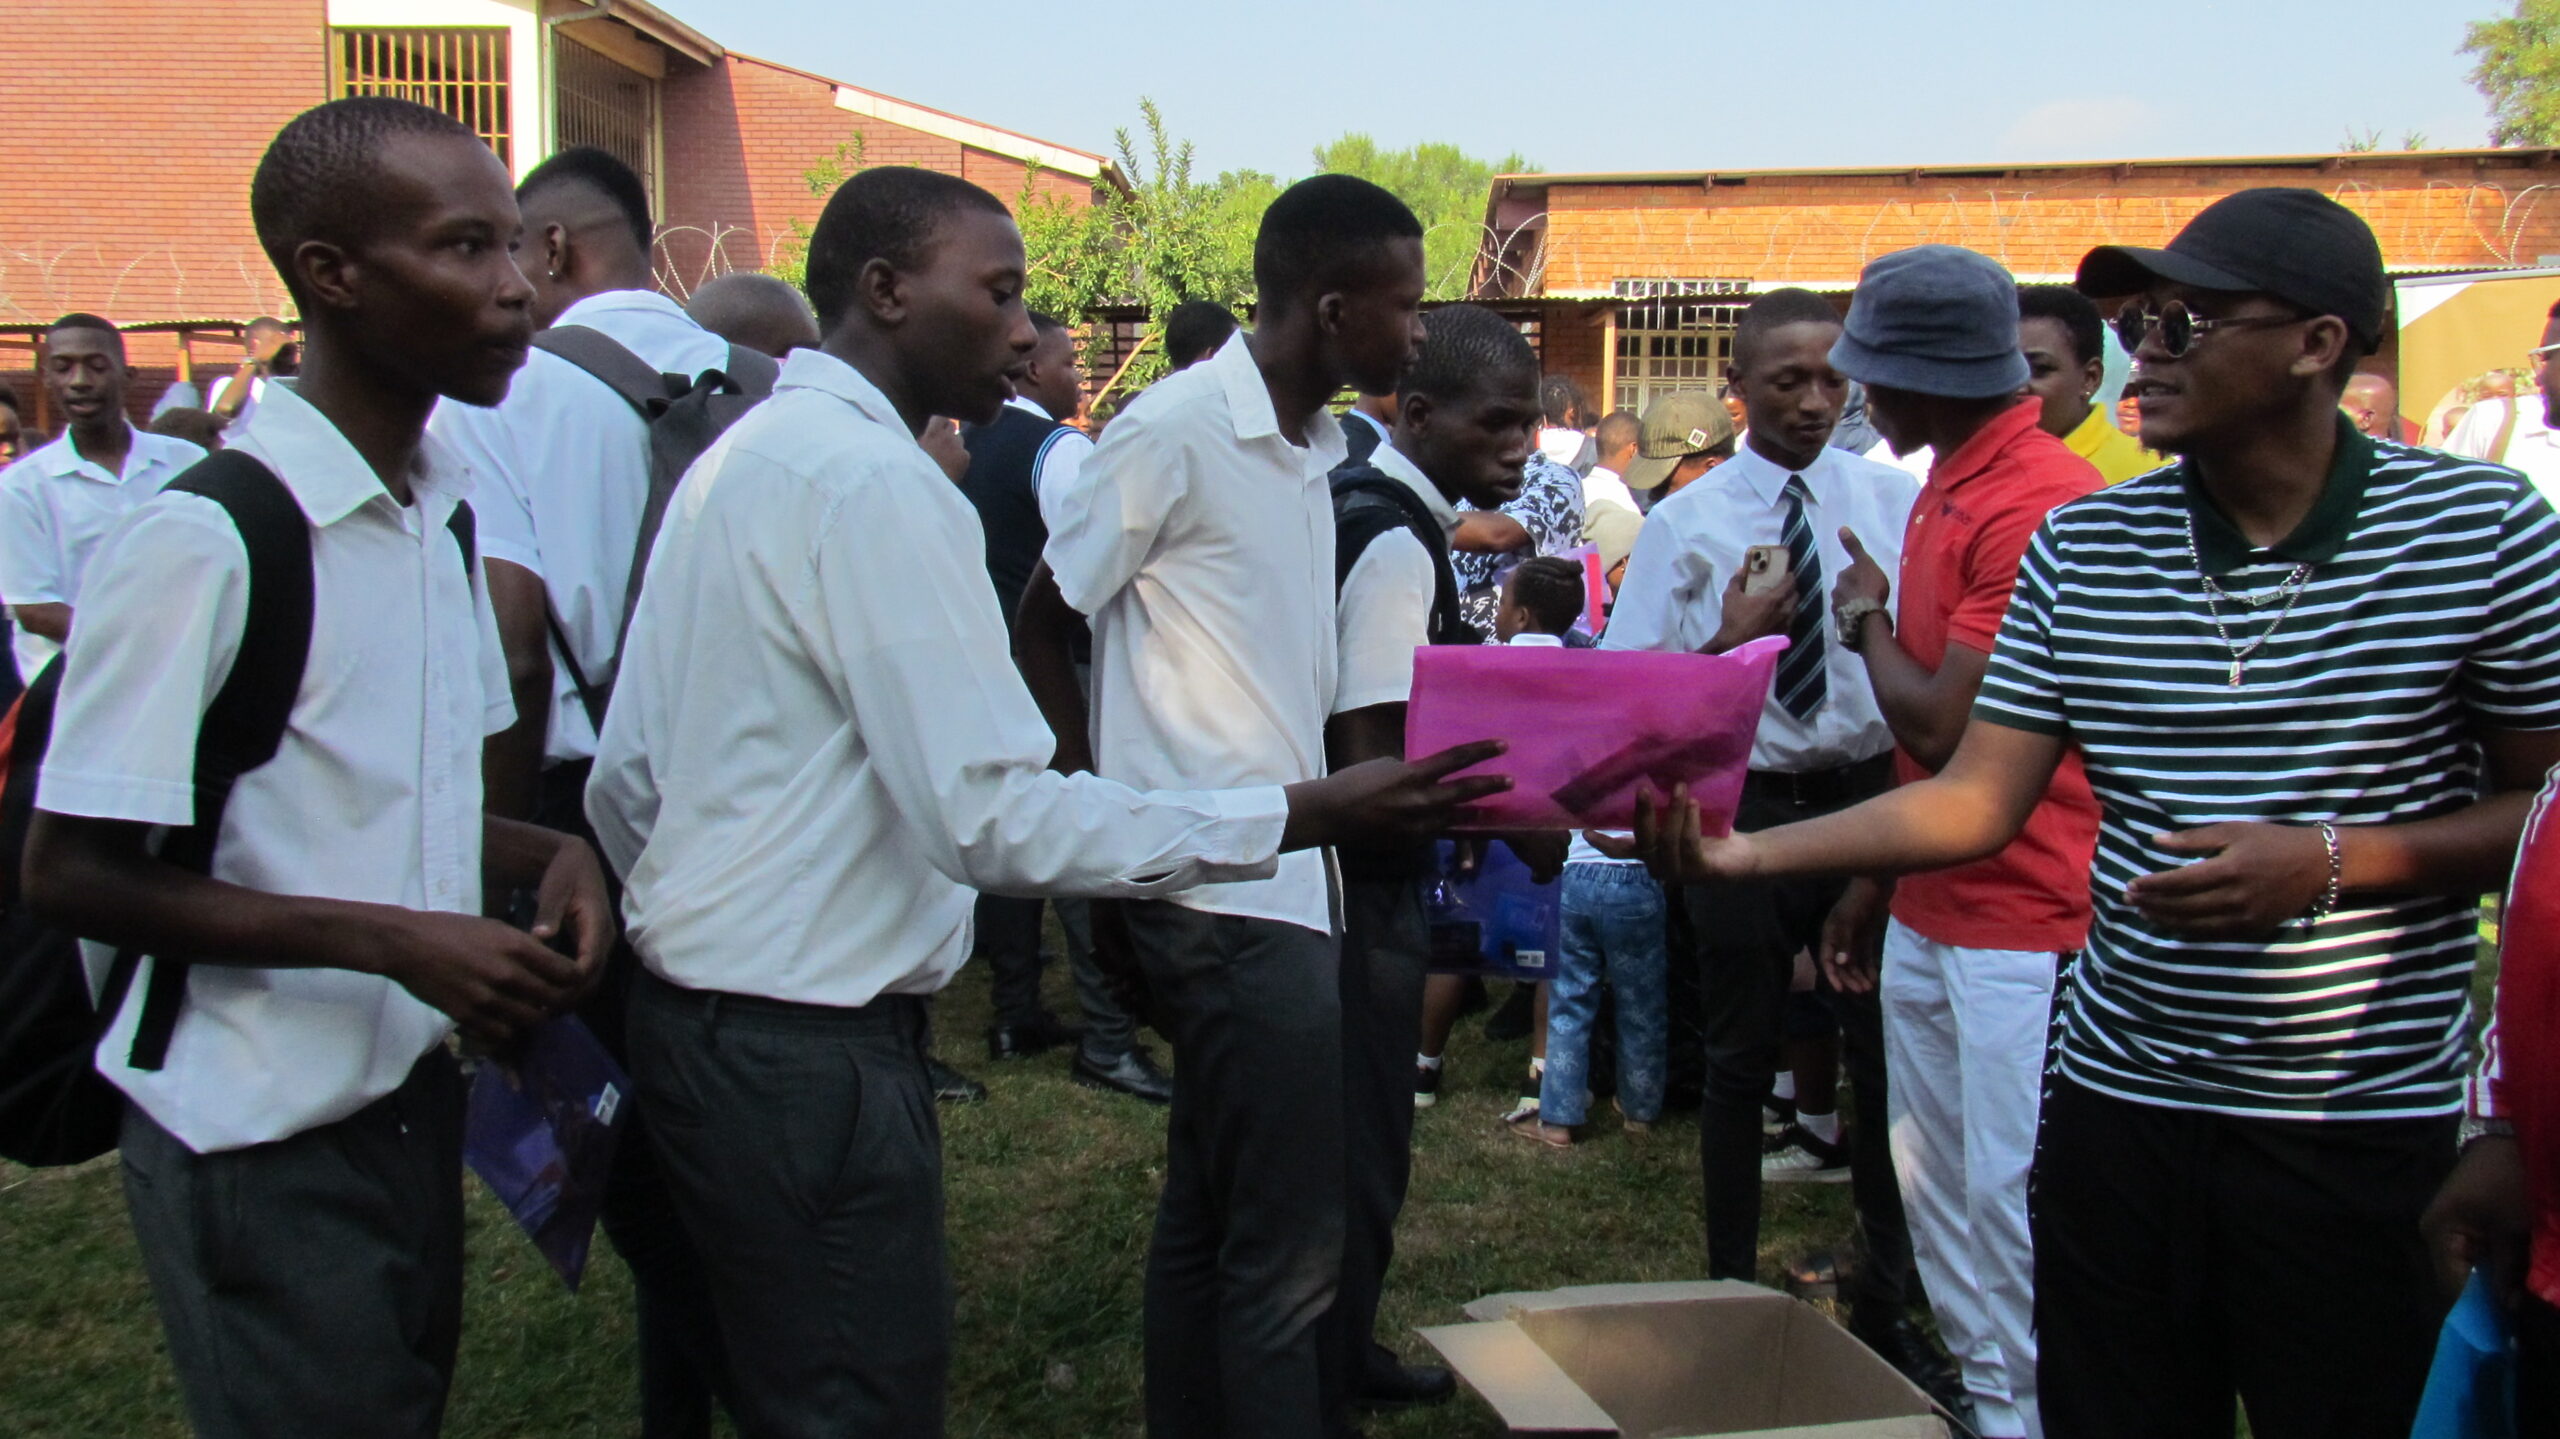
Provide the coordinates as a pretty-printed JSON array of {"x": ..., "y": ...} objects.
[
  {"x": 1446, "y": 188},
  {"x": 2519, "y": 72},
  {"x": 791, "y": 256}
]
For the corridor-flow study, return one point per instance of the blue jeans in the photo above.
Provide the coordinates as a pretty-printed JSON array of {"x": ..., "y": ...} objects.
[{"x": 1613, "y": 918}]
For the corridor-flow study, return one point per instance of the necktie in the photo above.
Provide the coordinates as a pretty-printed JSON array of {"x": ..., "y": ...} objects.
[{"x": 1801, "y": 684}]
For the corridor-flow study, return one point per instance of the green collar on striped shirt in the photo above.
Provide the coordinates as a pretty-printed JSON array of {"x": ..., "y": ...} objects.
[{"x": 2315, "y": 541}]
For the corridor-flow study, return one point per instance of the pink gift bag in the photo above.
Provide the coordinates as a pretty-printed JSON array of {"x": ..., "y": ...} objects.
[{"x": 1589, "y": 728}]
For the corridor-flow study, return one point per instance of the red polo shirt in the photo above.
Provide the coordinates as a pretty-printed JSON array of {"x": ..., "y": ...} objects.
[{"x": 1960, "y": 554}]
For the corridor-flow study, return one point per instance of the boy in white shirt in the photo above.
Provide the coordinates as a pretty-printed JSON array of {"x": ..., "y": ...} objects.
[{"x": 293, "y": 1161}]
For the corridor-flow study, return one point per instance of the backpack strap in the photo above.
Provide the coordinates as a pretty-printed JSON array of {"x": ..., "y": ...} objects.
[
  {"x": 245, "y": 724},
  {"x": 640, "y": 384},
  {"x": 752, "y": 372},
  {"x": 1367, "y": 503}
]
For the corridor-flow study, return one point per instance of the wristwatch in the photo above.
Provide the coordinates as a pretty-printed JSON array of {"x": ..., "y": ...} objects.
[
  {"x": 2474, "y": 1128},
  {"x": 1851, "y": 619}
]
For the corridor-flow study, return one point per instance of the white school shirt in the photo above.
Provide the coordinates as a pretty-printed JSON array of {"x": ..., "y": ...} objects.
[
  {"x": 1673, "y": 595},
  {"x": 821, "y": 748},
  {"x": 1200, "y": 544},
  {"x": 563, "y": 465},
  {"x": 1560, "y": 444},
  {"x": 54, "y": 509},
  {"x": 374, "y": 795},
  {"x": 248, "y": 407},
  {"x": 1061, "y": 455},
  {"x": 1385, "y": 609},
  {"x": 1606, "y": 486},
  {"x": 2534, "y": 448}
]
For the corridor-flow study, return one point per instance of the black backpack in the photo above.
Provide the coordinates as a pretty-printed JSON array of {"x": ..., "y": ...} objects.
[
  {"x": 55, "y": 1108},
  {"x": 684, "y": 413},
  {"x": 1369, "y": 502}
]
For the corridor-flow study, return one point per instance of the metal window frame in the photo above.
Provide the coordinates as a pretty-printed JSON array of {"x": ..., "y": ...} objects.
[{"x": 462, "y": 70}]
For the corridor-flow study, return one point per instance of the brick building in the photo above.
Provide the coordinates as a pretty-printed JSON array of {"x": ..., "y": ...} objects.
[
  {"x": 1635, "y": 281},
  {"x": 128, "y": 142}
]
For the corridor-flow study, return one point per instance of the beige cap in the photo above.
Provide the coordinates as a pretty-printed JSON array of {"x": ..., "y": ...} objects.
[{"x": 1676, "y": 426}]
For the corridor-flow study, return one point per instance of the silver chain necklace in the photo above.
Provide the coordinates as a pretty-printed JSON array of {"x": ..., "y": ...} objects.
[{"x": 2289, "y": 589}]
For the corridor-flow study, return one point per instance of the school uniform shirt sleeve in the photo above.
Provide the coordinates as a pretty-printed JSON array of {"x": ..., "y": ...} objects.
[
  {"x": 161, "y": 615},
  {"x": 1061, "y": 461},
  {"x": 500, "y": 503},
  {"x": 2021, "y": 688},
  {"x": 1384, "y": 615},
  {"x": 1669, "y": 592},
  {"x": 954, "y": 736},
  {"x": 30, "y": 557},
  {"x": 1104, "y": 520},
  {"x": 2511, "y": 678}
]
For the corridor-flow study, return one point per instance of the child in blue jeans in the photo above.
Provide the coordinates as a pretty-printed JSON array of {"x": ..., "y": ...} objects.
[{"x": 1613, "y": 926}]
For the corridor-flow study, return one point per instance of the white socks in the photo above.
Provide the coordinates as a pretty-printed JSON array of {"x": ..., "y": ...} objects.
[{"x": 1825, "y": 1127}]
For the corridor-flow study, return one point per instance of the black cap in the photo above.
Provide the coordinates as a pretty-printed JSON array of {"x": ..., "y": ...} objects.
[{"x": 2298, "y": 245}]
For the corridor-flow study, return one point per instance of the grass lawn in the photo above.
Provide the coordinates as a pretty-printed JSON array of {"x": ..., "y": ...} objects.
[{"x": 1052, "y": 1188}]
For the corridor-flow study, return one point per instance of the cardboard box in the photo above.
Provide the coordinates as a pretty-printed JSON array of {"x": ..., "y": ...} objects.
[{"x": 1678, "y": 1361}]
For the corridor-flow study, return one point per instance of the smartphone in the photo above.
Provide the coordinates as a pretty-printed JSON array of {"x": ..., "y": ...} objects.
[{"x": 1764, "y": 568}]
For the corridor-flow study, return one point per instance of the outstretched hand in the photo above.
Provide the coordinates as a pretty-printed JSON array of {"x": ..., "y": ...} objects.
[
  {"x": 1670, "y": 839},
  {"x": 1864, "y": 579},
  {"x": 1387, "y": 799}
]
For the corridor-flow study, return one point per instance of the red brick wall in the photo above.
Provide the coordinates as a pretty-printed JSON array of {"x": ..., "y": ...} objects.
[
  {"x": 1570, "y": 344},
  {"x": 1822, "y": 229},
  {"x": 740, "y": 135},
  {"x": 127, "y": 183}
]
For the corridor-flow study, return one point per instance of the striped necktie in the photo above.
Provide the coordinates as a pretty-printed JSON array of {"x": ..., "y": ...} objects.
[{"x": 1801, "y": 684}]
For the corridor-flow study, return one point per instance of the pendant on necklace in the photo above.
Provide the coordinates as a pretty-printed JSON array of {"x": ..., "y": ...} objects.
[{"x": 2235, "y": 674}]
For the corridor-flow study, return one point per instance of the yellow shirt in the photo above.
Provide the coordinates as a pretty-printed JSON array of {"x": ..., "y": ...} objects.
[{"x": 2117, "y": 455}]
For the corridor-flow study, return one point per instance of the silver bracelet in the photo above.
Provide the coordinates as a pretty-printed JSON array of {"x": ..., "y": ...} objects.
[
  {"x": 2474, "y": 1129},
  {"x": 1850, "y": 618},
  {"x": 2327, "y": 903}
]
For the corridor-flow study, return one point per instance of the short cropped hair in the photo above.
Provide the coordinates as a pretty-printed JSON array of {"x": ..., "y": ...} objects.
[
  {"x": 1321, "y": 231},
  {"x": 1776, "y": 310},
  {"x": 307, "y": 184},
  {"x": 601, "y": 171},
  {"x": 1549, "y": 589},
  {"x": 890, "y": 214},
  {"x": 2075, "y": 312},
  {"x": 1618, "y": 427},
  {"x": 1195, "y": 328},
  {"x": 1045, "y": 323},
  {"x": 1465, "y": 348},
  {"x": 83, "y": 320},
  {"x": 1560, "y": 398}
]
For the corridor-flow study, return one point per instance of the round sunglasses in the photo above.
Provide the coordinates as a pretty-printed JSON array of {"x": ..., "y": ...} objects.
[{"x": 2181, "y": 327}]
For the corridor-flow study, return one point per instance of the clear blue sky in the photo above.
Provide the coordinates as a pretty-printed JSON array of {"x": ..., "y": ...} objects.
[{"x": 1624, "y": 85}]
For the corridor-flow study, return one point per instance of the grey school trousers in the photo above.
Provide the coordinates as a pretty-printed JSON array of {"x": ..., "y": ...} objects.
[
  {"x": 1247, "y": 1253},
  {"x": 801, "y": 1147},
  {"x": 1386, "y": 957},
  {"x": 311, "y": 1286}
]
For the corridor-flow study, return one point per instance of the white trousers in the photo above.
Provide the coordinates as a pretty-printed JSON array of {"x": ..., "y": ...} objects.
[{"x": 1964, "y": 1045}]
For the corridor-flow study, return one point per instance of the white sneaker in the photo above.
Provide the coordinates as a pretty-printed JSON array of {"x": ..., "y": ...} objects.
[{"x": 1797, "y": 1157}]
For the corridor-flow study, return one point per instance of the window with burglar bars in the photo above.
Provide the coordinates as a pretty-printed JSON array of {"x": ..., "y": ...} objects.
[
  {"x": 597, "y": 100},
  {"x": 461, "y": 70},
  {"x": 1674, "y": 335}
]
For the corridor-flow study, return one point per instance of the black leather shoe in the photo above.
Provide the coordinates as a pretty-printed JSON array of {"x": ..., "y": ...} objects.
[
  {"x": 1036, "y": 1035},
  {"x": 1389, "y": 1383},
  {"x": 950, "y": 1086},
  {"x": 1134, "y": 1074},
  {"x": 1917, "y": 1357}
]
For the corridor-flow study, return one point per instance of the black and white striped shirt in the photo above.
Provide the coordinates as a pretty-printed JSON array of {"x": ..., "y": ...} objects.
[{"x": 2433, "y": 606}]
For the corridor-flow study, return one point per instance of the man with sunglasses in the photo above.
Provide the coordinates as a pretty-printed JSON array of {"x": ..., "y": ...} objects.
[
  {"x": 2518, "y": 431},
  {"x": 2311, "y": 678}
]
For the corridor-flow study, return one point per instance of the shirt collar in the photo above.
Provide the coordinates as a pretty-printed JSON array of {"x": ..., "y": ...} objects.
[
  {"x": 814, "y": 369},
  {"x": 1532, "y": 640},
  {"x": 1767, "y": 479},
  {"x": 1977, "y": 454},
  {"x": 1030, "y": 407},
  {"x": 2090, "y": 435},
  {"x": 62, "y": 459},
  {"x": 2322, "y": 533},
  {"x": 1392, "y": 461},
  {"x": 606, "y": 301},
  {"x": 328, "y": 479},
  {"x": 1249, "y": 407},
  {"x": 1371, "y": 421}
]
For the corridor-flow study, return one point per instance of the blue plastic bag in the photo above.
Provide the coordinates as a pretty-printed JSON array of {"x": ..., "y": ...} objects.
[
  {"x": 541, "y": 1131},
  {"x": 2471, "y": 1391},
  {"x": 1497, "y": 921}
]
